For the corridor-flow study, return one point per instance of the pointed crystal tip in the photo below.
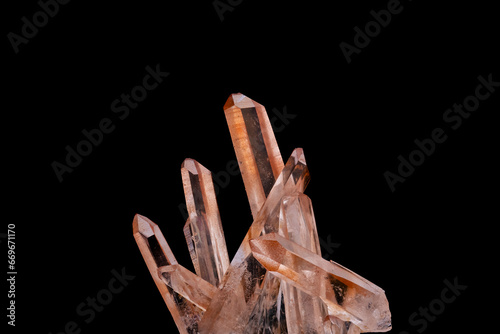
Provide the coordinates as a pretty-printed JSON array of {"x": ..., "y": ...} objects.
[
  {"x": 239, "y": 100},
  {"x": 190, "y": 165},
  {"x": 298, "y": 155},
  {"x": 194, "y": 167},
  {"x": 143, "y": 226}
]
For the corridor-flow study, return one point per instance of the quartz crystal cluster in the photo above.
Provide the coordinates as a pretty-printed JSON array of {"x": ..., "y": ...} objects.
[{"x": 277, "y": 282}]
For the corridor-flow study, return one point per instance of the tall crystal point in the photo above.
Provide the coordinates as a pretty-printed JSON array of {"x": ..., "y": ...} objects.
[
  {"x": 203, "y": 229},
  {"x": 246, "y": 276},
  {"x": 258, "y": 153}
]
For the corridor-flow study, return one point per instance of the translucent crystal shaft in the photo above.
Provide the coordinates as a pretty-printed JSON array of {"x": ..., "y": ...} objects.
[
  {"x": 258, "y": 153},
  {"x": 348, "y": 296},
  {"x": 203, "y": 229}
]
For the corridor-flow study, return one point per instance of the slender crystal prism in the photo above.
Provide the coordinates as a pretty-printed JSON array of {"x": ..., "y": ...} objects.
[
  {"x": 157, "y": 253},
  {"x": 304, "y": 313},
  {"x": 348, "y": 296},
  {"x": 203, "y": 229},
  {"x": 258, "y": 153},
  {"x": 341, "y": 327}
]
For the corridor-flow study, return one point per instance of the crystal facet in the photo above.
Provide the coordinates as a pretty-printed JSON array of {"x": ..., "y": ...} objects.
[
  {"x": 304, "y": 313},
  {"x": 277, "y": 282}
]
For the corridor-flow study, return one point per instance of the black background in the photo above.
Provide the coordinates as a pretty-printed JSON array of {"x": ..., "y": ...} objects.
[{"x": 353, "y": 121}]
